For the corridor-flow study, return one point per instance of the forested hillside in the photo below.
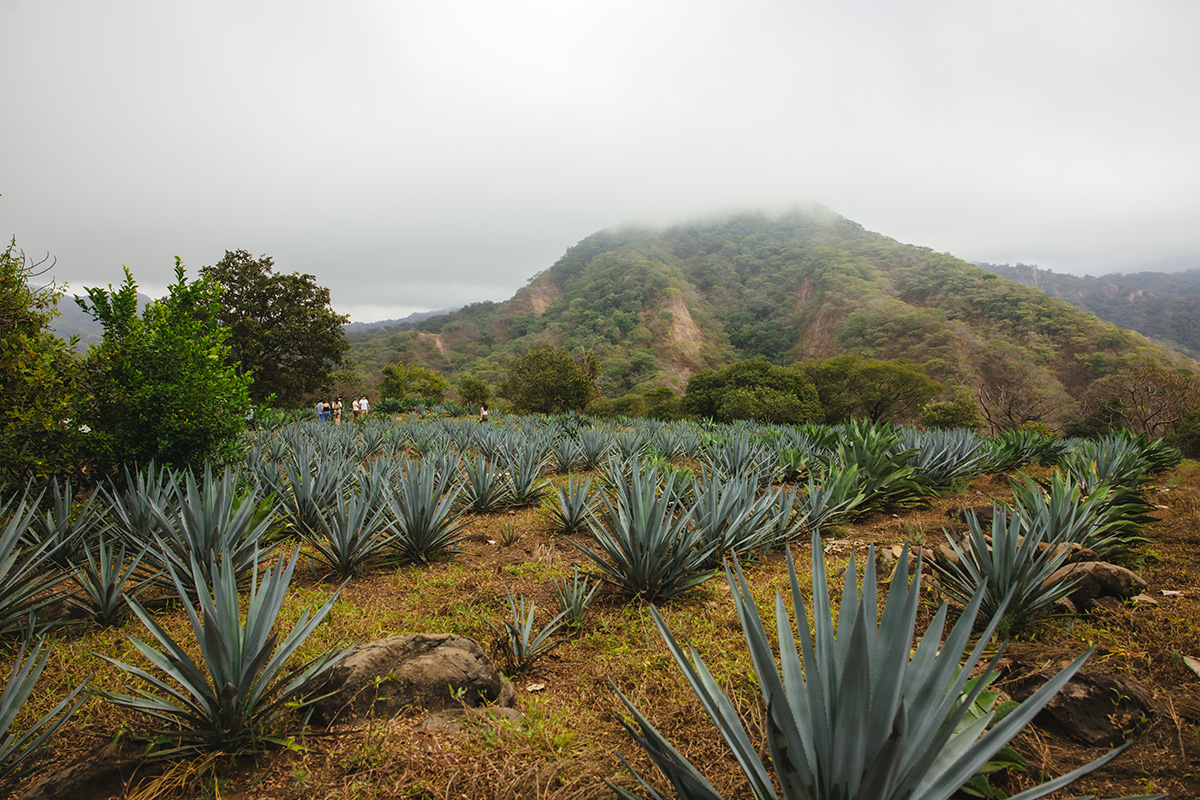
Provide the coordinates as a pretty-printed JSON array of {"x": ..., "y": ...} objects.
[
  {"x": 656, "y": 306},
  {"x": 1162, "y": 305}
]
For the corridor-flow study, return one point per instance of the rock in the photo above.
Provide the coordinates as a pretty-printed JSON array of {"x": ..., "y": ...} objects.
[
  {"x": 1096, "y": 709},
  {"x": 404, "y": 674},
  {"x": 1098, "y": 579},
  {"x": 1076, "y": 551},
  {"x": 944, "y": 555}
]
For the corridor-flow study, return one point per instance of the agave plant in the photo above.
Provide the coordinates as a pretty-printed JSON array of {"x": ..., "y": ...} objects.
[
  {"x": 524, "y": 464},
  {"x": 311, "y": 487},
  {"x": 211, "y": 520},
  {"x": 105, "y": 577},
  {"x": 355, "y": 529},
  {"x": 736, "y": 455},
  {"x": 854, "y": 713},
  {"x": 571, "y": 504},
  {"x": 1017, "y": 448},
  {"x": 28, "y": 578},
  {"x": 1063, "y": 509},
  {"x": 594, "y": 446},
  {"x": 16, "y": 748},
  {"x": 520, "y": 644},
  {"x": 732, "y": 517},
  {"x": 485, "y": 488},
  {"x": 565, "y": 454},
  {"x": 1112, "y": 460},
  {"x": 647, "y": 549},
  {"x": 137, "y": 509},
  {"x": 239, "y": 691},
  {"x": 425, "y": 523},
  {"x": 1010, "y": 573},
  {"x": 942, "y": 456},
  {"x": 884, "y": 474},
  {"x": 65, "y": 526},
  {"x": 574, "y": 597},
  {"x": 838, "y": 494}
]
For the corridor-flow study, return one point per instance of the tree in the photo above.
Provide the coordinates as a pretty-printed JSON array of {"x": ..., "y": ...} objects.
[
  {"x": 547, "y": 380},
  {"x": 162, "y": 386},
  {"x": 38, "y": 373},
  {"x": 960, "y": 412},
  {"x": 752, "y": 389},
  {"x": 473, "y": 391},
  {"x": 283, "y": 330},
  {"x": 412, "y": 382},
  {"x": 869, "y": 388}
]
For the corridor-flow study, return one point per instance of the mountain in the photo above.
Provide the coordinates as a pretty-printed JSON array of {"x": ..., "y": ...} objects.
[
  {"x": 73, "y": 321},
  {"x": 655, "y": 306},
  {"x": 1161, "y": 305},
  {"x": 393, "y": 325}
]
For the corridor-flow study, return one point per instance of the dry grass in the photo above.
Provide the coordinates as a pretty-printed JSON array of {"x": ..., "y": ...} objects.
[{"x": 567, "y": 745}]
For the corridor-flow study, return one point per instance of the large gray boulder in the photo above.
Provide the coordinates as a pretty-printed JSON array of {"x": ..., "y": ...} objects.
[{"x": 409, "y": 674}]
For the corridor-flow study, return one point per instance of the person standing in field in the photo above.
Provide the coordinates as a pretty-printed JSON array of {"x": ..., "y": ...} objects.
[
  {"x": 483, "y": 413},
  {"x": 337, "y": 411},
  {"x": 363, "y": 405},
  {"x": 354, "y": 410}
]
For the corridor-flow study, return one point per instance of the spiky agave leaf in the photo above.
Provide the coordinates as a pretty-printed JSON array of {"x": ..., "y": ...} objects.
[
  {"x": 425, "y": 522},
  {"x": 519, "y": 642},
  {"x": 568, "y": 506},
  {"x": 647, "y": 548},
  {"x": 355, "y": 529},
  {"x": 853, "y": 712},
  {"x": 16, "y": 748},
  {"x": 1010, "y": 571},
  {"x": 105, "y": 576},
  {"x": 237, "y": 693},
  {"x": 27, "y": 575}
]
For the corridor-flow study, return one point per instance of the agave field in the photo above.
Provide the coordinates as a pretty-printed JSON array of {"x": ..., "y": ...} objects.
[{"x": 684, "y": 609}]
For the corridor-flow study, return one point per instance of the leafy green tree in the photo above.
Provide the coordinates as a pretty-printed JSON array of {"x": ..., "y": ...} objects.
[
  {"x": 38, "y": 373},
  {"x": 752, "y": 389},
  {"x": 412, "y": 381},
  {"x": 851, "y": 387},
  {"x": 959, "y": 412},
  {"x": 283, "y": 330},
  {"x": 473, "y": 391},
  {"x": 162, "y": 385},
  {"x": 547, "y": 380}
]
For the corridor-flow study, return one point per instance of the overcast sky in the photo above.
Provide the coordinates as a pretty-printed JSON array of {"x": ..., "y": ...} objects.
[{"x": 418, "y": 155}]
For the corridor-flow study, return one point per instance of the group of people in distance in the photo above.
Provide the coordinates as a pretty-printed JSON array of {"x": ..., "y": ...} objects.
[{"x": 325, "y": 410}]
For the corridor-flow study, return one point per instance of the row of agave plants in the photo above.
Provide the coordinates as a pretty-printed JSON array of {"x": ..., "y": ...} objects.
[{"x": 664, "y": 505}]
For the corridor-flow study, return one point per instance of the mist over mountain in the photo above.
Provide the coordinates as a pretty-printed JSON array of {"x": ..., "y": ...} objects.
[{"x": 656, "y": 306}]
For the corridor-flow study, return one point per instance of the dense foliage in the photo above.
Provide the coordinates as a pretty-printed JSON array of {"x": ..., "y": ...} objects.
[
  {"x": 548, "y": 380},
  {"x": 282, "y": 329},
  {"x": 161, "y": 386},
  {"x": 37, "y": 376},
  {"x": 754, "y": 390}
]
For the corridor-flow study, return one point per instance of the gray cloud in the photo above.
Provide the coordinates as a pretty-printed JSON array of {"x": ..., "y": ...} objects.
[{"x": 419, "y": 155}]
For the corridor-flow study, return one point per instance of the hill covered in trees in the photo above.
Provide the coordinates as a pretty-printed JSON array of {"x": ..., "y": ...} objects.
[
  {"x": 1161, "y": 305},
  {"x": 654, "y": 307}
]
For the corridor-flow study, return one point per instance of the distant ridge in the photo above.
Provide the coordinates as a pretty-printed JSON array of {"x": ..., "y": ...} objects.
[
  {"x": 1161, "y": 305},
  {"x": 389, "y": 324}
]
